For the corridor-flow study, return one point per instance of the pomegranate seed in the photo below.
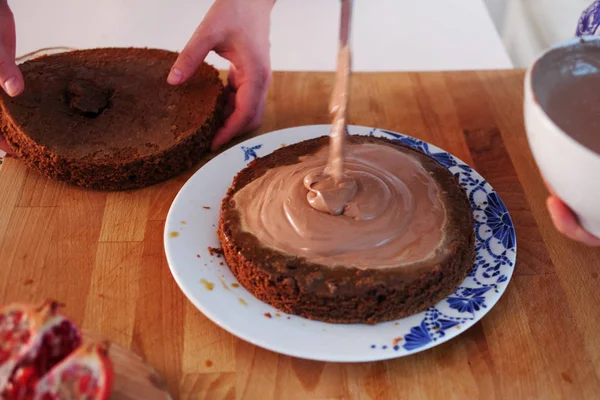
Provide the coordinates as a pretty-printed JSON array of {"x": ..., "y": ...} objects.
[
  {"x": 24, "y": 375},
  {"x": 10, "y": 390},
  {"x": 16, "y": 316},
  {"x": 84, "y": 384},
  {"x": 4, "y": 355}
]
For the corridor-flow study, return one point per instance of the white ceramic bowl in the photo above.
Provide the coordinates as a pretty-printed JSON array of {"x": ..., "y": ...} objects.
[{"x": 572, "y": 170}]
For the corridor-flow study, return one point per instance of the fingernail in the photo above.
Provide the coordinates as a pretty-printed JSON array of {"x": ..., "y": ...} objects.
[
  {"x": 175, "y": 76},
  {"x": 12, "y": 86}
]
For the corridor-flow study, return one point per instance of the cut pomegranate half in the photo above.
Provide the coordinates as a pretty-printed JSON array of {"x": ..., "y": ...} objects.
[
  {"x": 32, "y": 340},
  {"x": 86, "y": 374}
]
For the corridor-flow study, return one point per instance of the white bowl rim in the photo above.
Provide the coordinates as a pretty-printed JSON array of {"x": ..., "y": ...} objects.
[{"x": 535, "y": 103}]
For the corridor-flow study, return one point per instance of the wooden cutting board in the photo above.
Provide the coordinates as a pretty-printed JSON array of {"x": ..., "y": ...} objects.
[
  {"x": 102, "y": 255},
  {"x": 134, "y": 378}
]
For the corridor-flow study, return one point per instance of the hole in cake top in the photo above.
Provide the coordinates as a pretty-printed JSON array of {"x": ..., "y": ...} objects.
[{"x": 88, "y": 96}]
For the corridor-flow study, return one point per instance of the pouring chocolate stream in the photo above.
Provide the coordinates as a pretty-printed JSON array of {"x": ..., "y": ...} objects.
[{"x": 332, "y": 190}]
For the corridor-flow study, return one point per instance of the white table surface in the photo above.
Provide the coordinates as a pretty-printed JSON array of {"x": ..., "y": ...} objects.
[{"x": 388, "y": 35}]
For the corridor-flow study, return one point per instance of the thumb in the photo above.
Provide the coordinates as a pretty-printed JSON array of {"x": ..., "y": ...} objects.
[
  {"x": 11, "y": 79},
  {"x": 192, "y": 55}
]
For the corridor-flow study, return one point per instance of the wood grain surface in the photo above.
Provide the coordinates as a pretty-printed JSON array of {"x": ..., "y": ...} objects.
[
  {"x": 133, "y": 378},
  {"x": 102, "y": 254}
]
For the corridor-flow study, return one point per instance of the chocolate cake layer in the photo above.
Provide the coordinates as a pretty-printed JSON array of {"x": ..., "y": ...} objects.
[
  {"x": 108, "y": 119},
  {"x": 345, "y": 294}
]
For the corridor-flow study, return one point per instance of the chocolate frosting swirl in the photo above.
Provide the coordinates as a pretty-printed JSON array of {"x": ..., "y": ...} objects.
[{"x": 385, "y": 211}]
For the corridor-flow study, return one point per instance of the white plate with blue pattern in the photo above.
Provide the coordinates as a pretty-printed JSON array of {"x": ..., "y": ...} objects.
[{"x": 207, "y": 282}]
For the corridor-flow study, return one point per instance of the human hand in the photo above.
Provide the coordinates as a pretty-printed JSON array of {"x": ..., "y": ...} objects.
[
  {"x": 566, "y": 222},
  {"x": 237, "y": 30},
  {"x": 11, "y": 79}
]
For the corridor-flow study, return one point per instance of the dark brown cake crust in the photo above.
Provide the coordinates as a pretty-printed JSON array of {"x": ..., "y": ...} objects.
[
  {"x": 340, "y": 294},
  {"x": 107, "y": 119}
]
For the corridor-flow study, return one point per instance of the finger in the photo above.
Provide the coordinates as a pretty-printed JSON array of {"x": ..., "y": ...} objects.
[
  {"x": 257, "y": 121},
  {"x": 231, "y": 88},
  {"x": 229, "y": 105},
  {"x": 232, "y": 77},
  {"x": 230, "y": 91},
  {"x": 193, "y": 54},
  {"x": 567, "y": 224},
  {"x": 250, "y": 102},
  {"x": 11, "y": 79}
]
